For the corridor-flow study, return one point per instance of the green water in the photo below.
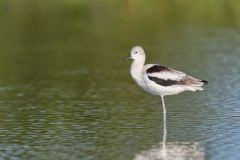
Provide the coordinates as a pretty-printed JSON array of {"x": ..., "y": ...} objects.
[{"x": 63, "y": 97}]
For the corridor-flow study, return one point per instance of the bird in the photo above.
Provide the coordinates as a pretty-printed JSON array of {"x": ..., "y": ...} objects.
[{"x": 160, "y": 80}]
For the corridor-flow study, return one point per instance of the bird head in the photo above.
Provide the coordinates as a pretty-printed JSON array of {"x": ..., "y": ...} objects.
[{"x": 137, "y": 53}]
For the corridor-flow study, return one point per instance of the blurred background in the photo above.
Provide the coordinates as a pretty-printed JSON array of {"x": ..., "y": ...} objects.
[{"x": 63, "y": 97}]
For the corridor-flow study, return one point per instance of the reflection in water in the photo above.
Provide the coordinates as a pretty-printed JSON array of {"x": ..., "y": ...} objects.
[{"x": 172, "y": 151}]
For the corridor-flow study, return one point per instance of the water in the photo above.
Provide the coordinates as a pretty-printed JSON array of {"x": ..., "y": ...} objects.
[{"x": 62, "y": 97}]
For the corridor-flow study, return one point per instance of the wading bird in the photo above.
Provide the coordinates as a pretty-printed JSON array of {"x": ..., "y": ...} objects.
[{"x": 160, "y": 80}]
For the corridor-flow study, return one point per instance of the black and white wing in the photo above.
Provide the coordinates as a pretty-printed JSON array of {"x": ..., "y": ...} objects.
[{"x": 166, "y": 76}]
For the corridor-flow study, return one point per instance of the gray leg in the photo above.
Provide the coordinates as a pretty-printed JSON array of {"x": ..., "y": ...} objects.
[{"x": 164, "y": 110}]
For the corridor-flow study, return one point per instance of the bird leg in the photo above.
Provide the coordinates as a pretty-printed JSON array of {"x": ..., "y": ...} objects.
[
  {"x": 164, "y": 110},
  {"x": 164, "y": 149}
]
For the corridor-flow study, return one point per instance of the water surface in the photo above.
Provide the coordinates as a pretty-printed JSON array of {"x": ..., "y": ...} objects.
[{"x": 62, "y": 97}]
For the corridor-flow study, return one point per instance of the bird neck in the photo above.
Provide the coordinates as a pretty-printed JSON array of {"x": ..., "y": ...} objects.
[
  {"x": 138, "y": 64},
  {"x": 136, "y": 71}
]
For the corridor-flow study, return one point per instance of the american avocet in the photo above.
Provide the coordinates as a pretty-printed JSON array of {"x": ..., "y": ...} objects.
[{"x": 160, "y": 80}]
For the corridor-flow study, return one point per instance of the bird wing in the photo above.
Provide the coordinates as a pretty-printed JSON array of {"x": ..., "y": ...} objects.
[
  {"x": 165, "y": 73},
  {"x": 166, "y": 76}
]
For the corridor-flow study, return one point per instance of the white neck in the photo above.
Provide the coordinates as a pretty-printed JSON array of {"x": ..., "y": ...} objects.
[{"x": 136, "y": 71}]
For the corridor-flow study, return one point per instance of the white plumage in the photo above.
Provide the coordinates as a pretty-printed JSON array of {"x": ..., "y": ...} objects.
[{"x": 160, "y": 80}]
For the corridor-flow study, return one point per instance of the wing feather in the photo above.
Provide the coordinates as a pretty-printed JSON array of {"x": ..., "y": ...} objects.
[{"x": 164, "y": 73}]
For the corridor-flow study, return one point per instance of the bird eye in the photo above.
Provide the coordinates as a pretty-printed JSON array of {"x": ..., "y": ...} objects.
[{"x": 136, "y": 52}]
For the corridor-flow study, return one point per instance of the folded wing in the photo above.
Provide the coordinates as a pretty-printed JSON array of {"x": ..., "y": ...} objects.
[
  {"x": 164, "y": 73},
  {"x": 166, "y": 76}
]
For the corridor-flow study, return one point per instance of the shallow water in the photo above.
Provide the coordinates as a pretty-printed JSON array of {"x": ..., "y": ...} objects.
[{"x": 62, "y": 97}]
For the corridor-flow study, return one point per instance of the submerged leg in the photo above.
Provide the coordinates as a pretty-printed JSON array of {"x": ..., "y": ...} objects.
[
  {"x": 164, "y": 110},
  {"x": 164, "y": 148}
]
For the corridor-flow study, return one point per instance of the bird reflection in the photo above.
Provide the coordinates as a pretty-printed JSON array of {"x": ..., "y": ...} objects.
[{"x": 172, "y": 150}]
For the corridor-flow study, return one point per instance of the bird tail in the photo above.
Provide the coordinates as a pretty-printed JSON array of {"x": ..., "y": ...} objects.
[
  {"x": 200, "y": 85},
  {"x": 204, "y": 82},
  {"x": 195, "y": 84},
  {"x": 191, "y": 81}
]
